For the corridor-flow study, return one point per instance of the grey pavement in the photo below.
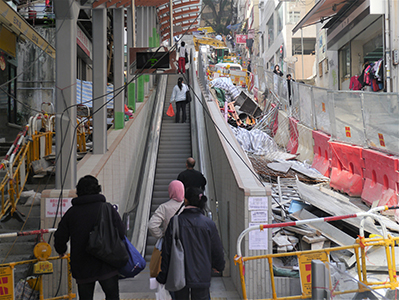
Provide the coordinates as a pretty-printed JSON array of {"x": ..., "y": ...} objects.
[{"x": 139, "y": 288}]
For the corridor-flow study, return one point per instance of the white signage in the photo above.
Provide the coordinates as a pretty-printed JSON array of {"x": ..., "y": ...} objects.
[
  {"x": 259, "y": 216},
  {"x": 258, "y": 239},
  {"x": 52, "y": 207},
  {"x": 257, "y": 203}
]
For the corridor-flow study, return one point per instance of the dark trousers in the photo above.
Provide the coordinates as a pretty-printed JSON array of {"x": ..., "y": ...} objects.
[
  {"x": 196, "y": 294},
  {"x": 110, "y": 287},
  {"x": 180, "y": 106}
]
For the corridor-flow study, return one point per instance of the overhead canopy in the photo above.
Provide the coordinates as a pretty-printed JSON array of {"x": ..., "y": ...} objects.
[
  {"x": 323, "y": 10},
  {"x": 17, "y": 24}
]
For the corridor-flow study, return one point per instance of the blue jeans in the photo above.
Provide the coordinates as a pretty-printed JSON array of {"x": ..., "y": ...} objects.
[
  {"x": 180, "y": 106},
  {"x": 110, "y": 287}
]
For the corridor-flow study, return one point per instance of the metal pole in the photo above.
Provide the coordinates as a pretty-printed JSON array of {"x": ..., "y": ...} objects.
[
  {"x": 303, "y": 73},
  {"x": 171, "y": 21},
  {"x": 387, "y": 47},
  {"x": 134, "y": 22}
]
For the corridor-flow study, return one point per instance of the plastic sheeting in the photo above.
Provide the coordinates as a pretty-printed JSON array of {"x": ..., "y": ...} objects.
[
  {"x": 322, "y": 109},
  {"x": 227, "y": 85},
  {"x": 259, "y": 143}
]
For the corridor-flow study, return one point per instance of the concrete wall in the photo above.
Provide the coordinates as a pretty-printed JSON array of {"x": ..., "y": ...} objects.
[
  {"x": 235, "y": 182},
  {"x": 37, "y": 69}
]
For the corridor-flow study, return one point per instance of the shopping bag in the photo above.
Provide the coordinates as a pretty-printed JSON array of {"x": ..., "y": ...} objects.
[
  {"x": 162, "y": 293},
  {"x": 170, "y": 111},
  {"x": 104, "y": 242},
  {"x": 136, "y": 262},
  {"x": 176, "y": 279},
  {"x": 155, "y": 262}
]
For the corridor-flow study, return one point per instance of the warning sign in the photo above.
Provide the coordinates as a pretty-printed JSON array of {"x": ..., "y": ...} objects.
[
  {"x": 57, "y": 207},
  {"x": 305, "y": 269},
  {"x": 347, "y": 131},
  {"x": 6, "y": 283},
  {"x": 381, "y": 138}
]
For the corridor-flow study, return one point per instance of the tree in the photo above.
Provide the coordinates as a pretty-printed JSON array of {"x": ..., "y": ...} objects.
[{"x": 222, "y": 14}]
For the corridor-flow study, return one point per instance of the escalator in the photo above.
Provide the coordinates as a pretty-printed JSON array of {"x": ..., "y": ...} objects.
[{"x": 174, "y": 149}]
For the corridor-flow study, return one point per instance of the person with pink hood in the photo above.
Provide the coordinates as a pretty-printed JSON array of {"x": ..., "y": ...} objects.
[{"x": 160, "y": 219}]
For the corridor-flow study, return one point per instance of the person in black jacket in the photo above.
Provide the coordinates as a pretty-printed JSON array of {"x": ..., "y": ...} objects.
[
  {"x": 191, "y": 177},
  {"x": 203, "y": 248},
  {"x": 76, "y": 225}
]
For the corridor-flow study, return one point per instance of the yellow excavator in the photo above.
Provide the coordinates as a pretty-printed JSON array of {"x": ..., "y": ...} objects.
[{"x": 207, "y": 41}]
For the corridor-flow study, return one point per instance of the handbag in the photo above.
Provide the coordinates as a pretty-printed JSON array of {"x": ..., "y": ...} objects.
[
  {"x": 188, "y": 96},
  {"x": 170, "y": 111},
  {"x": 104, "y": 242},
  {"x": 176, "y": 278},
  {"x": 135, "y": 264},
  {"x": 155, "y": 262}
]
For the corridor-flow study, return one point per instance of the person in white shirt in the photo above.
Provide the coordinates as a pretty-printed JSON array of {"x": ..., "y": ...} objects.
[
  {"x": 182, "y": 58},
  {"x": 179, "y": 95}
]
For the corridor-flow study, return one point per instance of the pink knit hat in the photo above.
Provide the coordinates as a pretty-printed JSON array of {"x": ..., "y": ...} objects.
[{"x": 176, "y": 190}]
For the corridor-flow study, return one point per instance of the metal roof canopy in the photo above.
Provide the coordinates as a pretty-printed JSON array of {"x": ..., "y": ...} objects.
[{"x": 323, "y": 10}]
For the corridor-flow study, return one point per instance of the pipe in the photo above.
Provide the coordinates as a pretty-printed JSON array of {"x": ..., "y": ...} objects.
[{"x": 387, "y": 46}]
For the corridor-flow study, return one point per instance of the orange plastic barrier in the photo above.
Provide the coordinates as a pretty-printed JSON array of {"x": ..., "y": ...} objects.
[
  {"x": 292, "y": 145},
  {"x": 381, "y": 178},
  {"x": 346, "y": 168},
  {"x": 322, "y": 153}
]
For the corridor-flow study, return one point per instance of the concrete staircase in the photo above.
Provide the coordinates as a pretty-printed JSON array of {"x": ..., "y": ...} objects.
[{"x": 174, "y": 149}]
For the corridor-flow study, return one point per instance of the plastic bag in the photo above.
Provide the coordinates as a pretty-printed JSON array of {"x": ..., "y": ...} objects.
[
  {"x": 162, "y": 293},
  {"x": 170, "y": 112}
]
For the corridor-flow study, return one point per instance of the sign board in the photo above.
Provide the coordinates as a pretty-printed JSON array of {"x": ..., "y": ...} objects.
[
  {"x": 6, "y": 283},
  {"x": 52, "y": 205},
  {"x": 148, "y": 60},
  {"x": 305, "y": 269},
  {"x": 241, "y": 39}
]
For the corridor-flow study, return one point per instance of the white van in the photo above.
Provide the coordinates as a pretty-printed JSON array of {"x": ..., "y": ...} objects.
[{"x": 223, "y": 67}]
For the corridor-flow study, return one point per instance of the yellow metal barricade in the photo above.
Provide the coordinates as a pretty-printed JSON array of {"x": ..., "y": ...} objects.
[
  {"x": 42, "y": 266},
  {"x": 305, "y": 257}
]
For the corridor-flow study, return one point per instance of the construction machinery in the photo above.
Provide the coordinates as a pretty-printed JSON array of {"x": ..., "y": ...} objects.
[{"x": 207, "y": 41}]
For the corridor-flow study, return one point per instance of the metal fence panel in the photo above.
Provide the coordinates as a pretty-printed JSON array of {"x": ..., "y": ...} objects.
[
  {"x": 295, "y": 112},
  {"x": 305, "y": 102},
  {"x": 381, "y": 112},
  {"x": 322, "y": 116},
  {"x": 347, "y": 110}
]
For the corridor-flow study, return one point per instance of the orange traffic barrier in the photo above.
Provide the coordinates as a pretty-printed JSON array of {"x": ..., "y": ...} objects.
[
  {"x": 322, "y": 153},
  {"x": 292, "y": 145},
  {"x": 381, "y": 176},
  {"x": 347, "y": 168}
]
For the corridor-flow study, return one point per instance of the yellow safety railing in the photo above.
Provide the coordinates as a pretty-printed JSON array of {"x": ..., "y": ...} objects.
[
  {"x": 42, "y": 266},
  {"x": 70, "y": 294},
  {"x": 305, "y": 257},
  {"x": 14, "y": 181}
]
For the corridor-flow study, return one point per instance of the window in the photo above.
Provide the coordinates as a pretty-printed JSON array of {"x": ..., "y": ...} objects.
[
  {"x": 280, "y": 18},
  {"x": 270, "y": 31},
  {"x": 344, "y": 58},
  {"x": 308, "y": 46},
  {"x": 293, "y": 17}
]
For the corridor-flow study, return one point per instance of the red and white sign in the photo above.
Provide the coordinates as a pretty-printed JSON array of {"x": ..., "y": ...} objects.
[
  {"x": 52, "y": 205},
  {"x": 241, "y": 38},
  {"x": 83, "y": 42}
]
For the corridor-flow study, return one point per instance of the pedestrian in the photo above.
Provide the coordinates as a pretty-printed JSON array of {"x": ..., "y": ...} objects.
[
  {"x": 203, "y": 250},
  {"x": 76, "y": 225},
  {"x": 277, "y": 71},
  {"x": 289, "y": 87},
  {"x": 191, "y": 177},
  {"x": 182, "y": 58},
  {"x": 160, "y": 219},
  {"x": 179, "y": 95}
]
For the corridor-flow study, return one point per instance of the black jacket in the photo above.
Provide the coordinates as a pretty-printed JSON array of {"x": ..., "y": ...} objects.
[
  {"x": 203, "y": 248},
  {"x": 76, "y": 225},
  {"x": 192, "y": 178}
]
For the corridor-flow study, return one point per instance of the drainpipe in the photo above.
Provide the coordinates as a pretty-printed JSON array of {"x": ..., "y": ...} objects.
[{"x": 387, "y": 46}]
